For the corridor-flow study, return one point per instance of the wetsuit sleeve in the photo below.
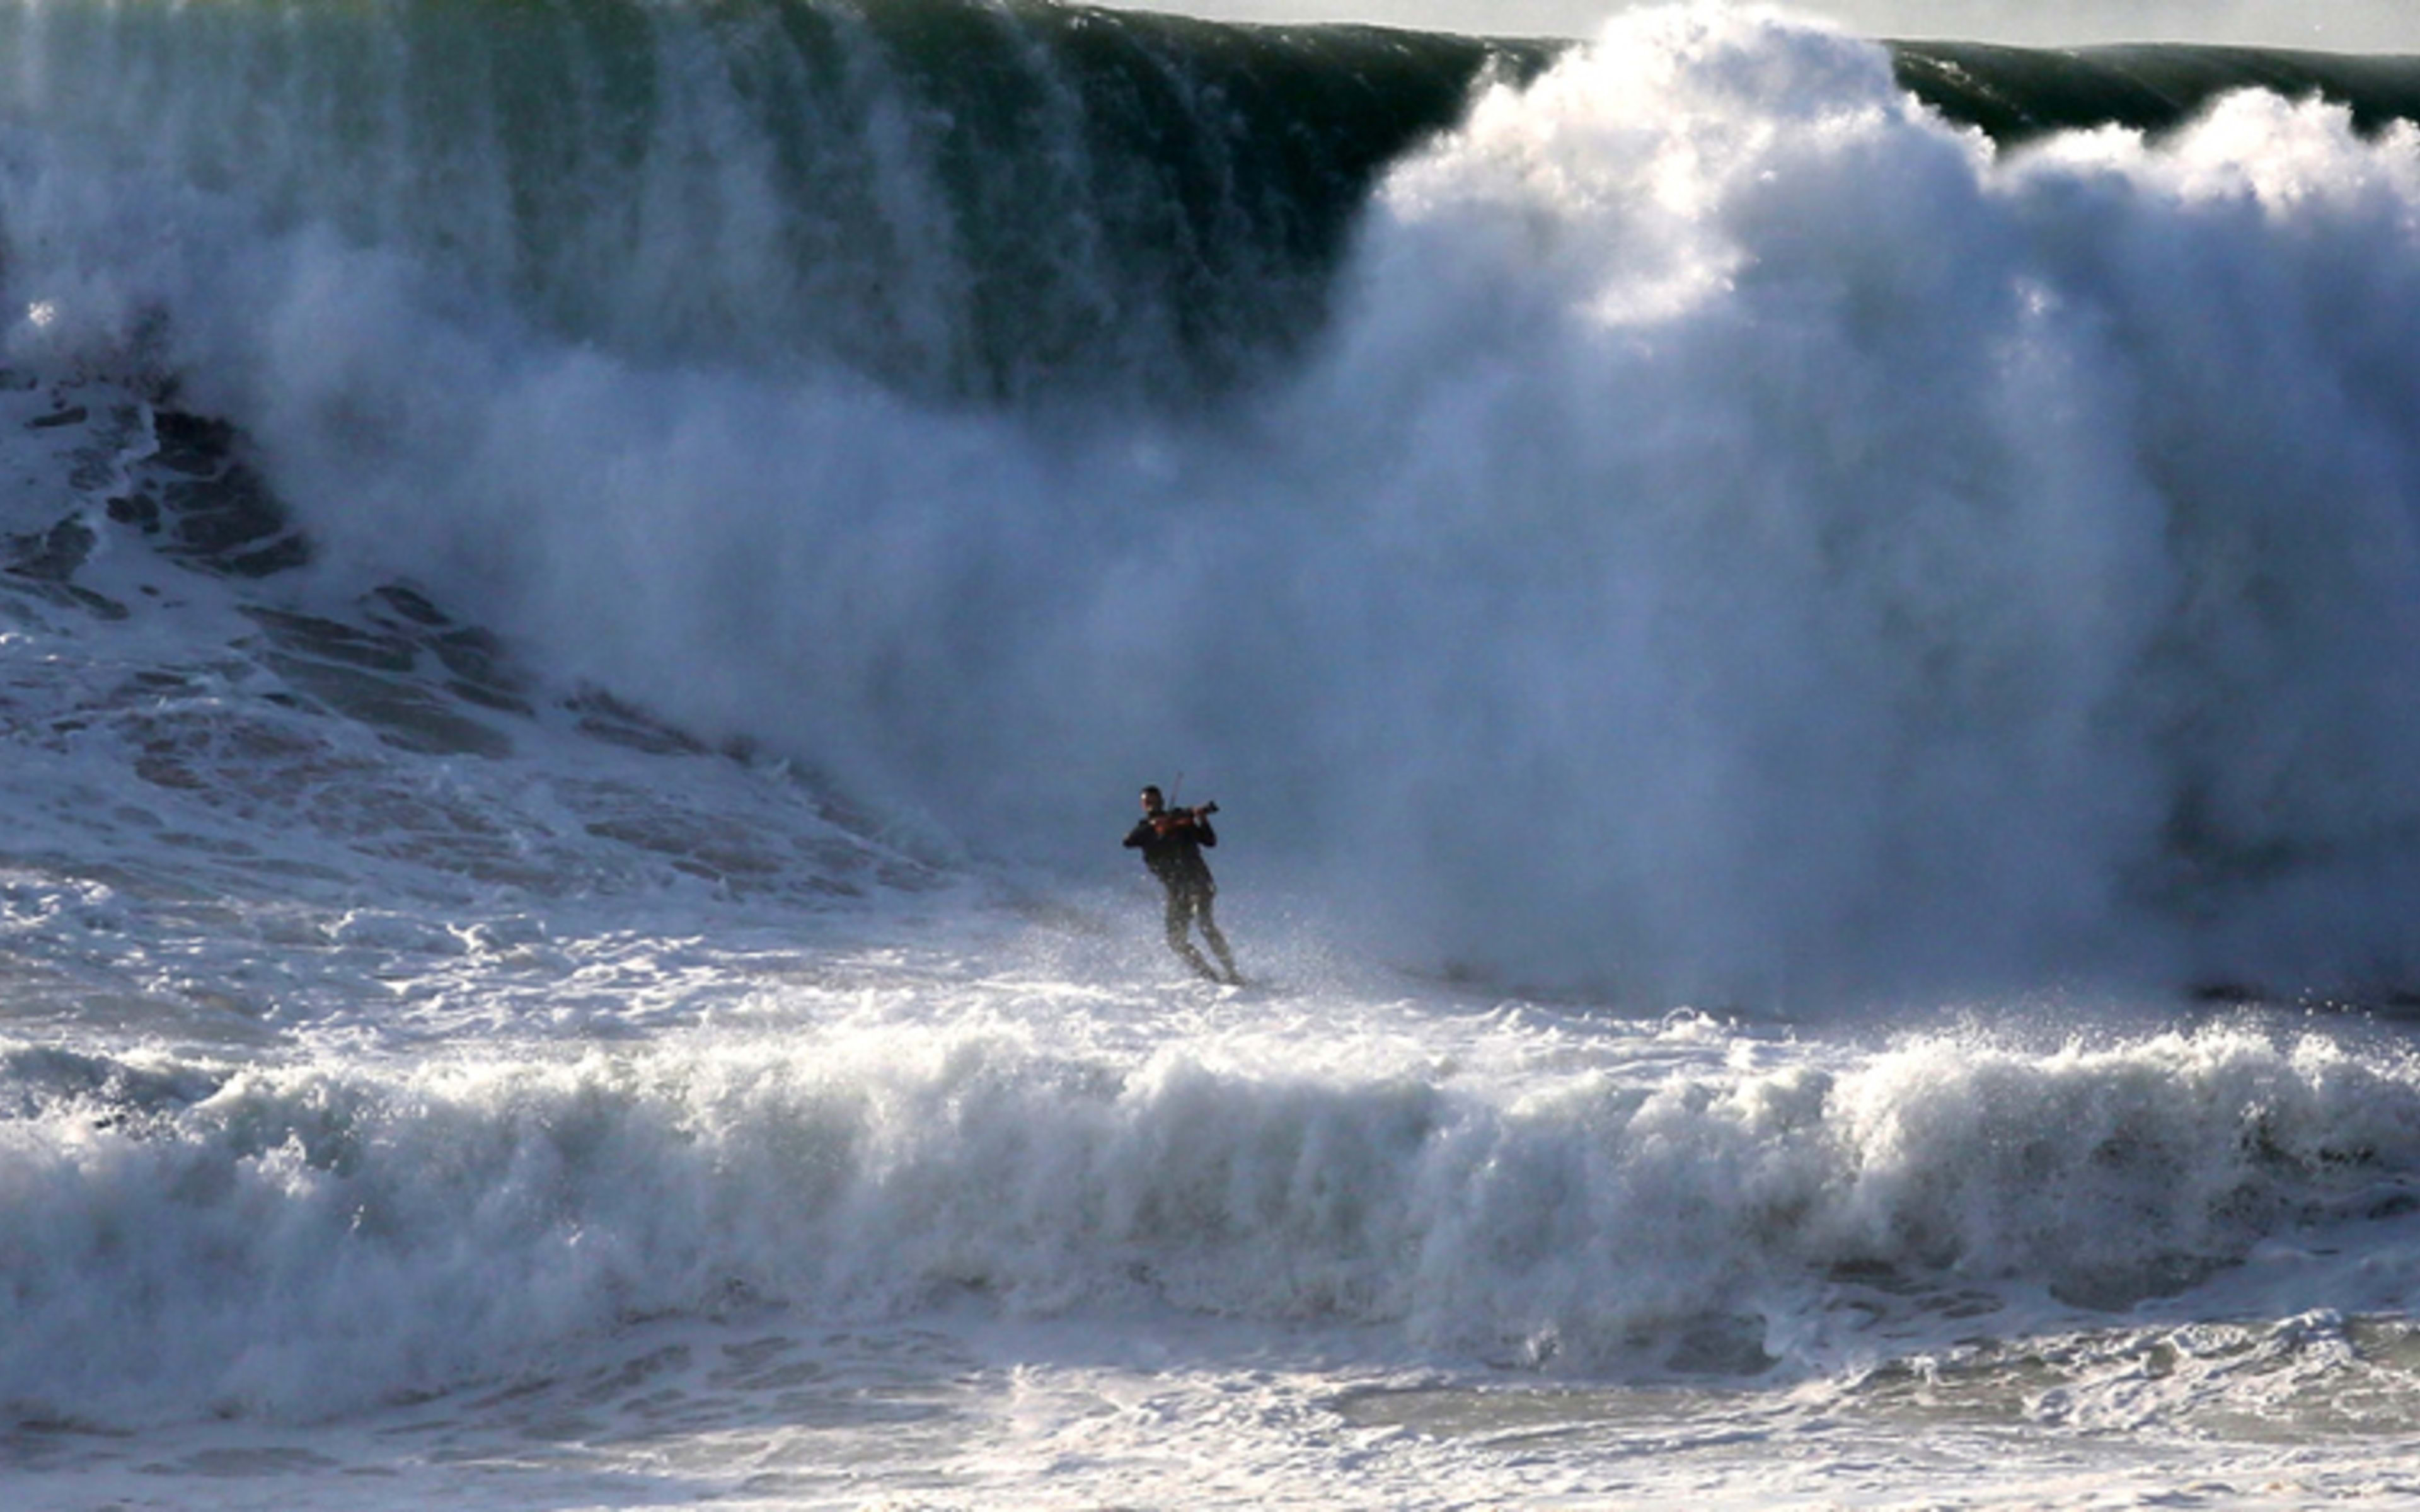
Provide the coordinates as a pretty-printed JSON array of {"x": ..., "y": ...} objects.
[
  {"x": 1203, "y": 832},
  {"x": 1139, "y": 835}
]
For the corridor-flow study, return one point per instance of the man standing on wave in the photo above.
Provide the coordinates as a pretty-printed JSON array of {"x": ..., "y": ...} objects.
[{"x": 1170, "y": 841}]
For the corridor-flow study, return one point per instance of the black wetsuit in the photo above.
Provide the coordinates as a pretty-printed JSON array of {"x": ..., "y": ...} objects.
[{"x": 1174, "y": 853}]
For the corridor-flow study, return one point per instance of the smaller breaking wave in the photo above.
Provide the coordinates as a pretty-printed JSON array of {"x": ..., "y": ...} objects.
[{"x": 310, "y": 1239}]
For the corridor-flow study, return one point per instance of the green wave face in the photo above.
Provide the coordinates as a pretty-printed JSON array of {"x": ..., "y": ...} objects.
[
  {"x": 954, "y": 197},
  {"x": 958, "y": 199},
  {"x": 2017, "y": 94}
]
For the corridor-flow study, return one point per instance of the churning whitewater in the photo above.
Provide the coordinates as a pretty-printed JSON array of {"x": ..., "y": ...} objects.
[{"x": 1809, "y": 651}]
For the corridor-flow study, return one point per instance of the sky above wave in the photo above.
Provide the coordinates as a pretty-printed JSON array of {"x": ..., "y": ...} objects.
[{"x": 2335, "y": 26}]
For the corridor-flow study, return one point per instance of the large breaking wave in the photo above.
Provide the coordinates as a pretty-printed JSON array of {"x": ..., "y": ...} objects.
[{"x": 1680, "y": 511}]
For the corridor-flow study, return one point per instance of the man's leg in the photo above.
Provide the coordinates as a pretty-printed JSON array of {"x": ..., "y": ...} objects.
[
  {"x": 1217, "y": 941},
  {"x": 1180, "y": 913}
]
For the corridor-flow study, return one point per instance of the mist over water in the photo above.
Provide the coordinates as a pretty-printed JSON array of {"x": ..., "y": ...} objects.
[
  {"x": 1918, "y": 561},
  {"x": 1704, "y": 526}
]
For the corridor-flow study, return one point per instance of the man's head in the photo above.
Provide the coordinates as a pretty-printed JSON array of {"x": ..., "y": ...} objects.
[{"x": 1152, "y": 801}]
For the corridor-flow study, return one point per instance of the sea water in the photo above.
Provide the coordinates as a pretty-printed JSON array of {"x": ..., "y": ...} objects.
[{"x": 1812, "y": 710}]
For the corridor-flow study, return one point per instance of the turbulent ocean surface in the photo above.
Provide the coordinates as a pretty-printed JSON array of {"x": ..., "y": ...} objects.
[{"x": 1809, "y": 650}]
